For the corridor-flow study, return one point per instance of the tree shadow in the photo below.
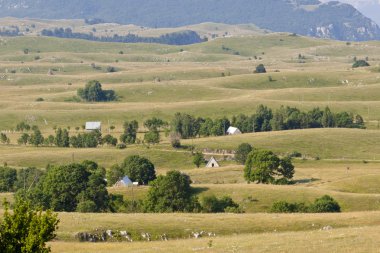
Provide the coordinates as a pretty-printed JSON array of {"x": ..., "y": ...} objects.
[
  {"x": 199, "y": 190},
  {"x": 306, "y": 180}
]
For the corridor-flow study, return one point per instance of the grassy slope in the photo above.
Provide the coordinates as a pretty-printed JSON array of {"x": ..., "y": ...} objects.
[{"x": 360, "y": 240}]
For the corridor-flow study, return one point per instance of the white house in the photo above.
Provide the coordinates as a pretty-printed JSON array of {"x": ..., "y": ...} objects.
[
  {"x": 233, "y": 131},
  {"x": 125, "y": 182},
  {"x": 92, "y": 126},
  {"x": 212, "y": 163}
]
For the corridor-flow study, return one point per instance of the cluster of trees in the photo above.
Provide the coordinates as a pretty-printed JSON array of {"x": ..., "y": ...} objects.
[
  {"x": 81, "y": 187},
  {"x": 265, "y": 167},
  {"x": 12, "y": 32},
  {"x": 187, "y": 126},
  {"x": 63, "y": 139},
  {"x": 284, "y": 118},
  {"x": 176, "y": 38},
  {"x": 35, "y": 138},
  {"x": 93, "y": 92},
  {"x": 73, "y": 187},
  {"x": 325, "y": 204}
]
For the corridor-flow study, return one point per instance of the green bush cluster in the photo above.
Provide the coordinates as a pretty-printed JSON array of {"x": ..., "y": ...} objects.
[{"x": 325, "y": 204}]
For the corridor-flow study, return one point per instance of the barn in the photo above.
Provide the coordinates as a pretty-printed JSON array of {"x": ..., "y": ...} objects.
[
  {"x": 233, "y": 131},
  {"x": 212, "y": 163},
  {"x": 92, "y": 126}
]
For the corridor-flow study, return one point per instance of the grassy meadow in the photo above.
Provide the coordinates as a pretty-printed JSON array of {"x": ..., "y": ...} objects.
[{"x": 211, "y": 79}]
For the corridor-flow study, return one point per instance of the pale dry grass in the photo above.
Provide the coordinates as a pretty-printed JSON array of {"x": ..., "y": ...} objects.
[{"x": 354, "y": 239}]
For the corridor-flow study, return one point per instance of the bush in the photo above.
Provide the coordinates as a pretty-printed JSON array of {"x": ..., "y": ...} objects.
[
  {"x": 198, "y": 159},
  {"x": 260, "y": 69},
  {"x": 121, "y": 146},
  {"x": 360, "y": 63},
  {"x": 175, "y": 140},
  {"x": 111, "y": 69},
  {"x": 285, "y": 207},
  {"x": 325, "y": 204},
  {"x": 211, "y": 204}
]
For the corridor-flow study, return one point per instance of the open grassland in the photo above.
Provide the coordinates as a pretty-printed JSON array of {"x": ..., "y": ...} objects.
[
  {"x": 360, "y": 240},
  {"x": 181, "y": 225},
  {"x": 312, "y": 143},
  {"x": 208, "y": 79},
  {"x": 212, "y": 79}
]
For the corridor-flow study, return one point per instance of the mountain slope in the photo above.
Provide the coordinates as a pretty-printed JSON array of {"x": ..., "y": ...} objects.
[{"x": 307, "y": 17}]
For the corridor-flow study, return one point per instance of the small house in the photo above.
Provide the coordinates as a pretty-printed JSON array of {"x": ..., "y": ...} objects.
[
  {"x": 92, "y": 126},
  {"x": 124, "y": 182},
  {"x": 212, "y": 163},
  {"x": 233, "y": 131}
]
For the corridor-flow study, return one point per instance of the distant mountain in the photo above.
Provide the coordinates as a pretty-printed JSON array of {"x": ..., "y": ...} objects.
[
  {"x": 332, "y": 20},
  {"x": 370, "y": 8}
]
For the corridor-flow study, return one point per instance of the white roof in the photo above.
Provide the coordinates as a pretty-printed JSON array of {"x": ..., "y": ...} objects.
[
  {"x": 233, "y": 130},
  {"x": 212, "y": 163},
  {"x": 126, "y": 181},
  {"x": 93, "y": 125}
]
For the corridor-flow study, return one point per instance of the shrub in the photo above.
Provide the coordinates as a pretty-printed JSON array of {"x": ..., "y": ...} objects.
[
  {"x": 285, "y": 207},
  {"x": 175, "y": 140},
  {"x": 211, "y": 204},
  {"x": 111, "y": 69},
  {"x": 198, "y": 159},
  {"x": 325, "y": 204},
  {"x": 260, "y": 69},
  {"x": 360, "y": 63},
  {"x": 121, "y": 146}
]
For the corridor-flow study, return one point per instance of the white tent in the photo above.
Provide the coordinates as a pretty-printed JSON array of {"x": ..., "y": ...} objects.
[
  {"x": 233, "y": 131},
  {"x": 91, "y": 126},
  {"x": 212, "y": 163},
  {"x": 125, "y": 182}
]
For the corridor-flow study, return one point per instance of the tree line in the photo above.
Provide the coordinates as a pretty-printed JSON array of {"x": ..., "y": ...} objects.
[
  {"x": 185, "y": 126},
  {"x": 265, "y": 119},
  {"x": 175, "y": 38}
]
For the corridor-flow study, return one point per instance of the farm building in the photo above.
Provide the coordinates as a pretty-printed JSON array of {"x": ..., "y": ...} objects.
[
  {"x": 233, "y": 131},
  {"x": 125, "y": 182},
  {"x": 212, "y": 163},
  {"x": 92, "y": 126}
]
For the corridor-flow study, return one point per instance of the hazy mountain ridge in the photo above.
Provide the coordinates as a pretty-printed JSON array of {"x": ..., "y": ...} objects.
[{"x": 307, "y": 17}]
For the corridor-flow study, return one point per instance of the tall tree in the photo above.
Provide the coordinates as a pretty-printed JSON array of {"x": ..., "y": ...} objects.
[
  {"x": 139, "y": 169},
  {"x": 171, "y": 193},
  {"x": 328, "y": 118},
  {"x": 130, "y": 132}
]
